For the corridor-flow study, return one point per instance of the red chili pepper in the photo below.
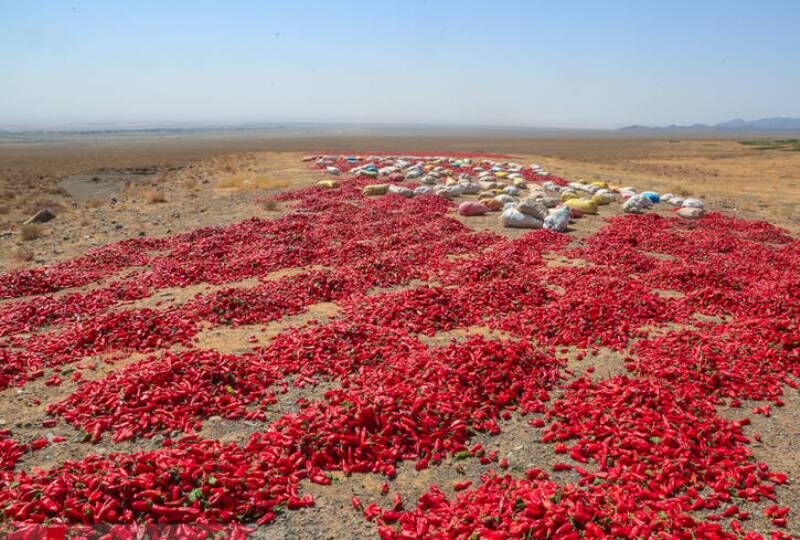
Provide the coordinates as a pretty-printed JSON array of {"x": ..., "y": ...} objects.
[
  {"x": 464, "y": 484},
  {"x": 38, "y": 444}
]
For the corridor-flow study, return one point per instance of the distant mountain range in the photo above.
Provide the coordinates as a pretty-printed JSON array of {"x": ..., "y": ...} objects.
[{"x": 783, "y": 123}]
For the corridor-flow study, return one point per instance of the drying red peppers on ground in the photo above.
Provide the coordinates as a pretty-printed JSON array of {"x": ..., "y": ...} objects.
[{"x": 652, "y": 453}]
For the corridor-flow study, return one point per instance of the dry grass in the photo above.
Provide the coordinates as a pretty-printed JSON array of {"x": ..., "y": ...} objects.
[
  {"x": 244, "y": 181},
  {"x": 154, "y": 196},
  {"x": 94, "y": 202},
  {"x": 268, "y": 204},
  {"x": 30, "y": 231},
  {"x": 189, "y": 183},
  {"x": 22, "y": 254},
  {"x": 787, "y": 211}
]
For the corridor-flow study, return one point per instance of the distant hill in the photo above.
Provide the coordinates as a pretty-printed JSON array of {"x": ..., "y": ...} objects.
[{"x": 782, "y": 123}]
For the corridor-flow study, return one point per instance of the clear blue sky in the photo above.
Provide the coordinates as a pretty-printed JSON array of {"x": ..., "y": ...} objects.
[{"x": 568, "y": 64}]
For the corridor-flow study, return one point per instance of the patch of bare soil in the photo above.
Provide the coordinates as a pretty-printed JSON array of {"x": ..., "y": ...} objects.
[
  {"x": 554, "y": 260},
  {"x": 668, "y": 293},
  {"x": 235, "y": 340},
  {"x": 778, "y": 447},
  {"x": 442, "y": 339},
  {"x": 598, "y": 364},
  {"x": 174, "y": 296},
  {"x": 239, "y": 431},
  {"x": 24, "y": 412}
]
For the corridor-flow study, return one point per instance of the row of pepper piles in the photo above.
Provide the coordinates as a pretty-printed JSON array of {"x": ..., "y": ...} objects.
[{"x": 650, "y": 450}]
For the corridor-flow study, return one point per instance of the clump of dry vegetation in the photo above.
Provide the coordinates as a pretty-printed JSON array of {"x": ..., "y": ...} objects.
[
  {"x": 269, "y": 205},
  {"x": 94, "y": 202},
  {"x": 154, "y": 196},
  {"x": 250, "y": 180},
  {"x": 22, "y": 254},
  {"x": 30, "y": 231},
  {"x": 189, "y": 183}
]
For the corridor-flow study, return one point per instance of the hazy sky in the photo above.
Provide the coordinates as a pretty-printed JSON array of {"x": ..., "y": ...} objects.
[{"x": 566, "y": 64}]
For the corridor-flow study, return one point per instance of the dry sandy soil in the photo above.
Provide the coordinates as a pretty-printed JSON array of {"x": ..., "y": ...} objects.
[
  {"x": 104, "y": 191},
  {"x": 79, "y": 178}
]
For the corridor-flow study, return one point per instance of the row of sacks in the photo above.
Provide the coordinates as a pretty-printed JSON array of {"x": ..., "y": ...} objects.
[
  {"x": 430, "y": 170},
  {"x": 495, "y": 197},
  {"x": 498, "y": 185},
  {"x": 636, "y": 203},
  {"x": 532, "y": 212},
  {"x": 586, "y": 197},
  {"x": 540, "y": 210}
]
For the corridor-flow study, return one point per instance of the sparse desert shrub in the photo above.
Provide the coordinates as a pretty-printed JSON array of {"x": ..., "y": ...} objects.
[
  {"x": 269, "y": 205},
  {"x": 56, "y": 190},
  {"x": 22, "y": 254},
  {"x": 4, "y": 210},
  {"x": 30, "y": 231},
  {"x": 249, "y": 180},
  {"x": 189, "y": 183},
  {"x": 154, "y": 196},
  {"x": 94, "y": 202}
]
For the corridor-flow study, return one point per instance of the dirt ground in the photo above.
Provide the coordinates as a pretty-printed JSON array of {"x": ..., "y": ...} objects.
[{"x": 103, "y": 191}]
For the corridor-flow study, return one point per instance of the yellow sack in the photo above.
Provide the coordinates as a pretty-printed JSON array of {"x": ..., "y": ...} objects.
[
  {"x": 501, "y": 174},
  {"x": 602, "y": 199},
  {"x": 600, "y": 184},
  {"x": 492, "y": 204},
  {"x": 568, "y": 194},
  {"x": 375, "y": 189},
  {"x": 586, "y": 206},
  {"x": 330, "y": 184}
]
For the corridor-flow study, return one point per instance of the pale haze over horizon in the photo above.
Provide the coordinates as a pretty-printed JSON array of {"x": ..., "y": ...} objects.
[{"x": 576, "y": 64}]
